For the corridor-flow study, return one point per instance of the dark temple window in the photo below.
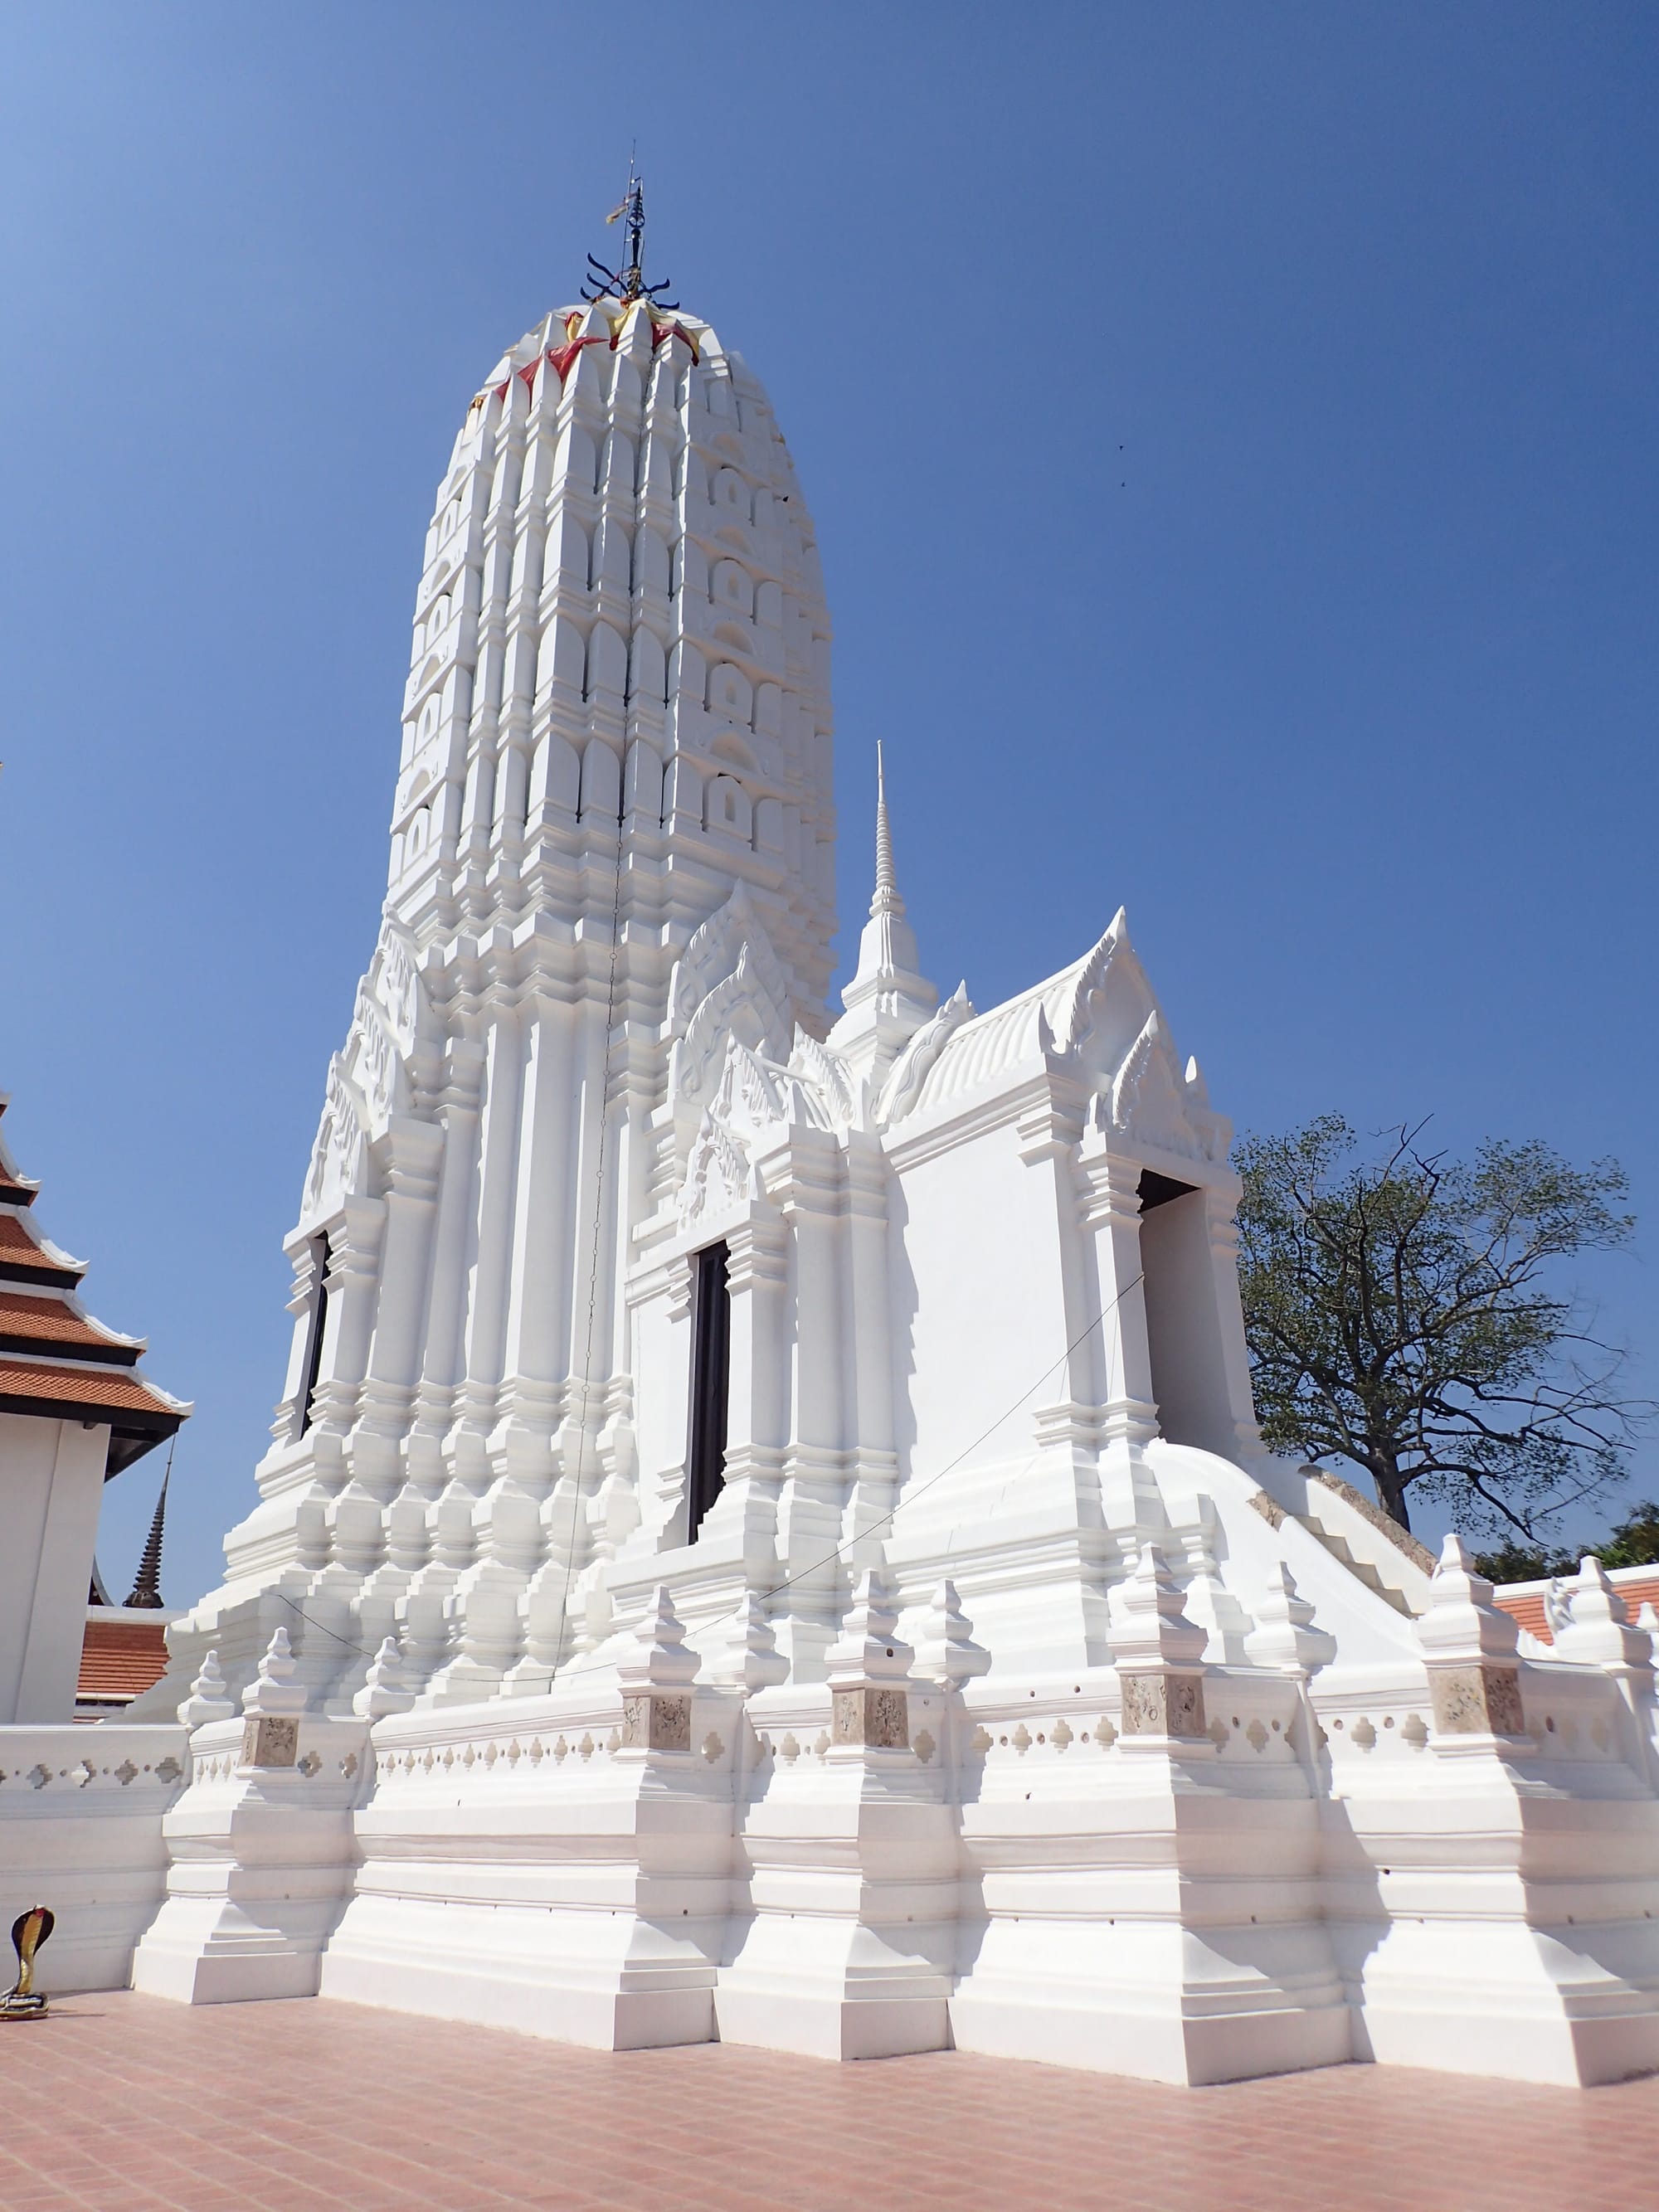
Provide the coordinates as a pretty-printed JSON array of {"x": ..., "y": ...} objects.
[{"x": 711, "y": 1377}]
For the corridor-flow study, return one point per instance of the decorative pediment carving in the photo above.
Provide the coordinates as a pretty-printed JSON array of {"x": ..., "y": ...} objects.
[
  {"x": 396, "y": 987},
  {"x": 718, "y": 1174},
  {"x": 826, "y": 1078},
  {"x": 743, "y": 1005},
  {"x": 713, "y": 954},
  {"x": 1108, "y": 1007},
  {"x": 910, "y": 1070},
  {"x": 1151, "y": 1100},
  {"x": 339, "y": 1156},
  {"x": 749, "y": 1100}
]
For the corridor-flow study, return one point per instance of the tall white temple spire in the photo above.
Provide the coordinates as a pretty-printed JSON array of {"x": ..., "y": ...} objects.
[
  {"x": 889, "y": 998},
  {"x": 886, "y": 883}
]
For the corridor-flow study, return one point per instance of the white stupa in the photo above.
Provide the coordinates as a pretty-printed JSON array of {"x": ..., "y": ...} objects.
[{"x": 805, "y": 1460}]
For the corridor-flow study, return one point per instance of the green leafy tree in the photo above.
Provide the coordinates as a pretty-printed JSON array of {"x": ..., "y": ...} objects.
[
  {"x": 1634, "y": 1543},
  {"x": 1404, "y": 1313},
  {"x": 1634, "y": 1540}
]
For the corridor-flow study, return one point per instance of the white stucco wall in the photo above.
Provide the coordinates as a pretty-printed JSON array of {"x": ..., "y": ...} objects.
[{"x": 51, "y": 1473}]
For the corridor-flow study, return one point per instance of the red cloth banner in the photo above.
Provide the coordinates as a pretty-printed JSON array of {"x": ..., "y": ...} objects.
[
  {"x": 662, "y": 332},
  {"x": 562, "y": 357}
]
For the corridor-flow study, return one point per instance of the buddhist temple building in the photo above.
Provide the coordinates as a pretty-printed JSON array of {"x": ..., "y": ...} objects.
[
  {"x": 765, "y": 1534},
  {"x": 75, "y": 1410}
]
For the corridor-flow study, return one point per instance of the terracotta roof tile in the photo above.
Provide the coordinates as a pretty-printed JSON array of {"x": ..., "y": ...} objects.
[
  {"x": 119, "y": 1659},
  {"x": 27, "y": 1322},
  {"x": 97, "y": 1389},
  {"x": 1528, "y": 1611},
  {"x": 18, "y": 1249},
  {"x": 1635, "y": 1589}
]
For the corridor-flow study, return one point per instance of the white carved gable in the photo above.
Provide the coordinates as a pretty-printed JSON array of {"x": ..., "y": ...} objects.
[
  {"x": 339, "y": 1154},
  {"x": 904, "y": 1086},
  {"x": 727, "y": 984},
  {"x": 719, "y": 1176},
  {"x": 1108, "y": 1007},
  {"x": 824, "y": 1075},
  {"x": 713, "y": 954},
  {"x": 1113, "y": 1032},
  {"x": 395, "y": 987}
]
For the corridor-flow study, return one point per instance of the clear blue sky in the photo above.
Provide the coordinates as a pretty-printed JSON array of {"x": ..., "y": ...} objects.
[{"x": 1231, "y": 435}]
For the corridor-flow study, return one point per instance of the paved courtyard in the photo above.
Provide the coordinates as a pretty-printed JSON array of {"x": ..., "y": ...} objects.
[{"x": 126, "y": 2104}]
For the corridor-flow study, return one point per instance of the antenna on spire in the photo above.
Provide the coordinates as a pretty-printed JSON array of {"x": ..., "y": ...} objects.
[
  {"x": 627, "y": 283},
  {"x": 146, "y": 1590}
]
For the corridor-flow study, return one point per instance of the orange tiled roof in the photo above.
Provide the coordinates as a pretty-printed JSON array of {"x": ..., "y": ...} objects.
[
  {"x": 74, "y": 1388},
  {"x": 56, "y": 1362},
  {"x": 1524, "y": 1601},
  {"x": 1528, "y": 1609},
  {"x": 22, "y": 1258},
  {"x": 119, "y": 1659},
  {"x": 33, "y": 1322}
]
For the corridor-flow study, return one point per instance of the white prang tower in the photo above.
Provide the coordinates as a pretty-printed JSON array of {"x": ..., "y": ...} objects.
[
  {"x": 617, "y": 723},
  {"x": 767, "y": 1534}
]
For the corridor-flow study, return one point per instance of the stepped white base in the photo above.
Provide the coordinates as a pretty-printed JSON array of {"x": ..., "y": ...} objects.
[
  {"x": 261, "y": 1867},
  {"x": 1568, "y": 2006},
  {"x": 80, "y": 1813},
  {"x": 565, "y": 1975},
  {"x": 201, "y": 1952},
  {"x": 816, "y": 2026}
]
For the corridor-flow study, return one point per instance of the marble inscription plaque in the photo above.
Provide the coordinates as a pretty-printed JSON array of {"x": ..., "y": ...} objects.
[
  {"x": 657, "y": 1720},
  {"x": 878, "y": 1719},
  {"x": 1162, "y": 1704},
  {"x": 268, "y": 1739},
  {"x": 1477, "y": 1701}
]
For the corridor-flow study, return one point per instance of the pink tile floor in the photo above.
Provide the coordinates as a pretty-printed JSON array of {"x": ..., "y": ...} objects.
[{"x": 126, "y": 2104}]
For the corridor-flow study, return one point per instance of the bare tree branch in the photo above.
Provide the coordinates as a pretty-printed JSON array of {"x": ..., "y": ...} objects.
[{"x": 1404, "y": 1314}]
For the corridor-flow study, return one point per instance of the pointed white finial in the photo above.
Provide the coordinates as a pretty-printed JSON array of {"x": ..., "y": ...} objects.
[
  {"x": 1285, "y": 1636},
  {"x": 207, "y": 1700},
  {"x": 659, "y": 1659},
  {"x": 273, "y": 1689},
  {"x": 1597, "y": 1627},
  {"x": 868, "y": 1648},
  {"x": 886, "y": 899},
  {"x": 945, "y": 1650},
  {"x": 888, "y": 999},
  {"x": 753, "y": 1660},
  {"x": 1148, "y": 1618},
  {"x": 1460, "y": 1620},
  {"x": 385, "y": 1689}
]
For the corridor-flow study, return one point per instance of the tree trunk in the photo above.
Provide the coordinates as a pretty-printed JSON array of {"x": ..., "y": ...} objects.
[{"x": 1391, "y": 1491}]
